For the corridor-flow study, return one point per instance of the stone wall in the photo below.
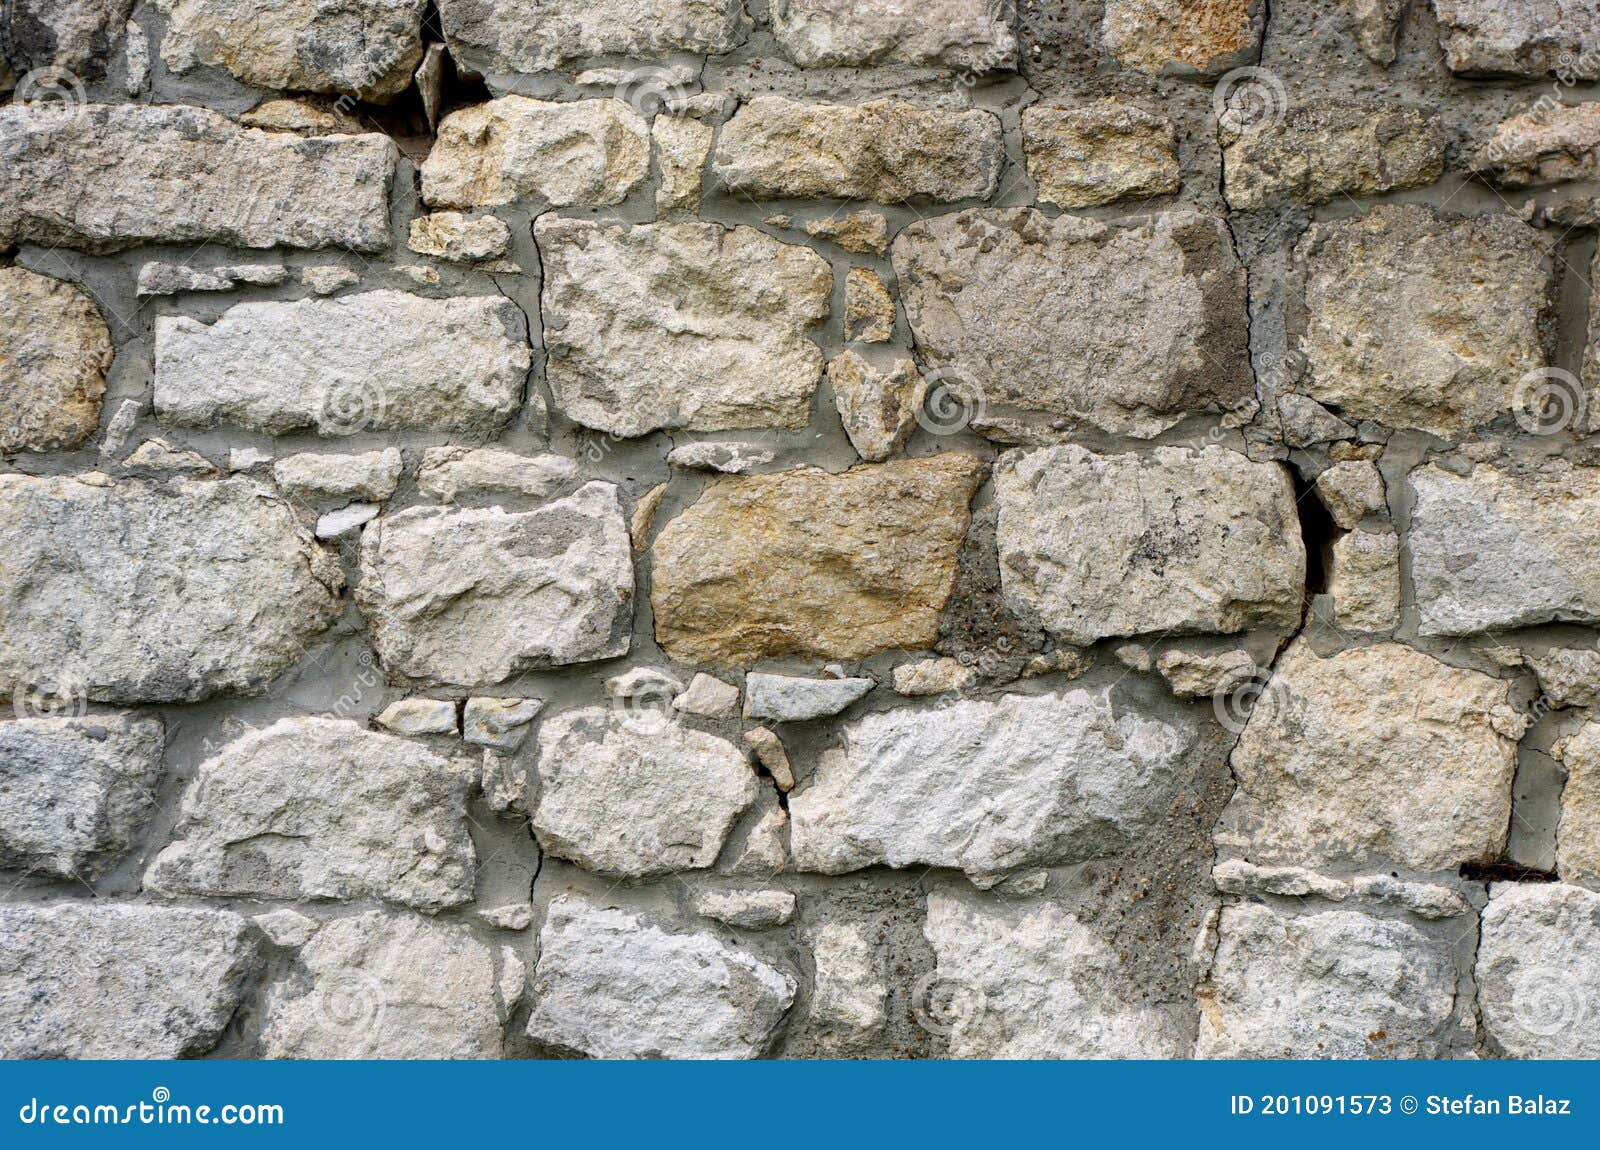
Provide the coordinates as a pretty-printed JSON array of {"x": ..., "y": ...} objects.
[{"x": 801, "y": 529}]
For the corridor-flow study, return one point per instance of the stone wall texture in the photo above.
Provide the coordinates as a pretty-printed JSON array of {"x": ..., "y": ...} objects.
[{"x": 799, "y": 529}]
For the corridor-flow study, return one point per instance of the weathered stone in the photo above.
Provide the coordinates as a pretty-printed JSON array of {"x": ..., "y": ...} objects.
[
  {"x": 1235, "y": 876},
  {"x": 1377, "y": 754},
  {"x": 1029, "y": 980},
  {"x": 770, "y": 753},
  {"x": 1198, "y": 674},
  {"x": 505, "y": 781},
  {"x": 370, "y": 475},
  {"x": 1538, "y": 970},
  {"x": 709, "y": 696},
  {"x": 512, "y": 916},
  {"x": 158, "y": 278},
  {"x": 1399, "y": 328},
  {"x": 112, "y": 176},
  {"x": 765, "y": 850},
  {"x": 54, "y": 352},
  {"x": 363, "y": 48},
  {"x": 1067, "y": 321},
  {"x": 788, "y": 699},
  {"x": 860, "y": 232},
  {"x": 682, "y": 145},
  {"x": 534, "y": 35},
  {"x": 884, "y": 151},
  {"x": 154, "y": 593},
  {"x": 1351, "y": 491},
  {"x": 1578, "y": 833},
  {"x": 727, "y": 458},
  {"x": 420, "y": 717},
  {"x": 345, "y": 519},
  {"x": 1545, "y": 145},
  {"x": 453, "y": 236},
  {"x": 113, "y": 981},
  {"x": 1099, "y": 153},
  {"x": 498, "y": 723},
  {"x": 285, "y": 927},
  {"x": 382, "y": 360},
  {"x": 1365, "y": 581},
  {"x": 325, "y": 280},
  {"x": 878, "y": 407},
  {"x": 974, "y": 35},
  {"x": 75, "y": 792},
  {"x": 1340, "y": 984},
  {"x": 448, "y": 473},
  {"x": 1501, "y": 549},
  {"x": 1377, "y": 26},
  {"x": 1568, "y": 676},
  {"x": 850, "y": 990},
  {"x": 1187, "y": 541},
  {"x": 474, "y": 597},
  {"x": 610, "y": 984},
  {"x": 933, "y": 677},
  {"x": 380, "y": 985},
  {"x": 811, "y": 564},
  {"x": 623, "y": 796},
  {"x": 76, "y": 36},
  {"x": 747, "y": 909},
  {"x": 1322, "y": 151},
  {"x": 868, "y": 307},
  {"x": 680, "y": 325},
  {"x": 512, "y": 148},
  {"x": 990, "y": 787},
  {"x": 641, "y": 524},
  {"x": 1183, "y": 37},
  {"x": 1521, "y": 37},
  {"x": 323, "y": 808},
  {"x": 305, "y": 117},
  {"x": 158, "y": 457}
]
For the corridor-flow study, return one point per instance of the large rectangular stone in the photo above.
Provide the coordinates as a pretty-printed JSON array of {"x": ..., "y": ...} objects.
[
  {"x": 1521, "y": 37},
  {"x": 535, "y": 35},
  {"x": 970, "y": 34},
  {"x": 112, "y": 176},
  {"x": 1183, "y": 37}
]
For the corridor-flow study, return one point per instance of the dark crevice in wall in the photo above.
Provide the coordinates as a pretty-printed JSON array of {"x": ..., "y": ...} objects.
[
  {"x": 1505, "y": 872},
  {"x": 1317, "y": 530}
]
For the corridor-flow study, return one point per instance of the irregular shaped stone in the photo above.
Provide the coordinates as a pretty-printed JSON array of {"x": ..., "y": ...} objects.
[
  {"x": 974, "y": 35},
  {"x": 110, "y": 980},
  {"x": 133, "y": 592},
  {"x": 113, "y": 176},
  {"x": 814, "y": 565},
  {"x": 680, "y": 325},
  {"x": 369, "y": 475},
  {"x": 622, "y": 796},
  {"x": 990, "y": 787},
  {"x": 158, "y": 457},
  {"x": 610, "y": 984},
  {"x": 54, "y": 352},
  {"x": 363, "y": 48},
  {"x": 850, "y": 989},
  {"x": 1059, "y": 322},
  {"x": 323, "y": 808},
  {"x": 1521, "y": 37},
  {"x": 590, "y": 152},
  {"x": 1325, "y": 150},
  {"x": 878, "y": 407},
  {"x": 789, "y": 699},
  {"x": 533, "y": 35},
  {"x": 1399, "y": 328},
  {"x": 78, "y": 36},
  {"x": 498, "y": 723},
  {"x": 1183, "y": 37},
  {"x": 1197, "y": 674},
  {"x": 860, "y": 232},
  {"x": 727, "y": 458},
  {"x": 1501, "y": 549},
  {"x": 377, "y": 361},
  {"x": 883, "y": 151},
  {"x": 1568, "y": 676},
  {"x": 1099, "y": 153},
  {"x": 1422, "y": 899},
  {"x": 1545, "y": 145},
  {"x": 327, "y": 280},
  {"x": 765, "y": 850},
  {"x": 1377, "y": 26},
  {"x": 1186, "y": 541},
  {"x": 1538, "y": 970},
  {"x": 285, "y": 927},
  {"x": 346, "y": 519},
  {"x": 1026, "y": 979},
  {"x": 420, "y": 717},
  {"x": 746, "y": 909},
  {"x": 769, "y": 752},
  {"x": 513, "y": 916},
  {"x": 453, "y": 236},
  {"x": 1364, "y": 580},
  {"x": 75, "y": 792},
  {"x": 1578, "y": 833},
  {"x": 1334, "y": 985},
  {"x": 1235, "y": 876},
  {"x": 1375, "y": 754},
  {"x": 1351, "y": 491},
  {"x": 709, "y": 696},
  {"x": 305, "y": 117},
  {"x": 474, "y": 597},
  {"x": 868, "y": 307},
  {"x": 933, "y": 677},
  {"x": 682, "y": 146},
  {"x": 380, "y": 985},
  {"x": 448, "y": 473},
  {"x": 158, "y": 278},
  {"x": 643, "y": 683}
]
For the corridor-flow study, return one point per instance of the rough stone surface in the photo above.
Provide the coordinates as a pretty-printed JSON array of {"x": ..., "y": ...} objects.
[
  {"x": 533, "y": 35},
  {"x": 1071, "y": 321},
  {"x": 448, "y": 473},
  {"x": 884, "y": 151},
  {"x": 634, "y": 794},
  {"x": 419, "y": 717},
  {"x": 322, "y": 808},
  {"x": 709, "y": 696},
  {"x": 969, "y": 34},
  {"x": 1365, "y": 581},
  {"x": 1195, "y": 674},
  {"x": 1098, "y": 153},
  {"x": 1183, "y": 541},
  {"x": 878, "y": 406},
  {"x": 54, "y": 352},
  {"x": 933, "y": 677},
  {"x": 158, "y": 278},
  {"x": 690, "y": 325},
  {"x": 1521, "y": 37},
  {"x": 106, "y": 980},
  {"x": 1544, "y": 145},
  {"x": 682, "y": 145},
  {"x": 473, "y": 597},
  {"x": 1399, "y": 327},
  {"x": 1539, "y": 970},
  {"x": 746, "y": 909},
  {"x": 1351, "y": 491},
  {"x": 137, "y": 592},
  {"x": 1182, "y": 37},
  {"x": 1578, "y": 834},
  {"x": 498, "y": 723},
  {"x": 860, "y": 232},
  {"x": 453, "y": 236},
  {"x": 610, "y": 984},
  {"x": 807, "y": 563},
  {"x": 370, "y": 475},
  {"x": 112, "y": 176},
  {"x": 726, "y": 458},
  {"x": 76, "y": 35},
  {"x": 868, "y": 307},
  {"x": 75, "y": 793},
  {"x": 789, "y": 699},
  {"x": 1373, "y": 755},
  {"x": 850, "y": 989}
]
